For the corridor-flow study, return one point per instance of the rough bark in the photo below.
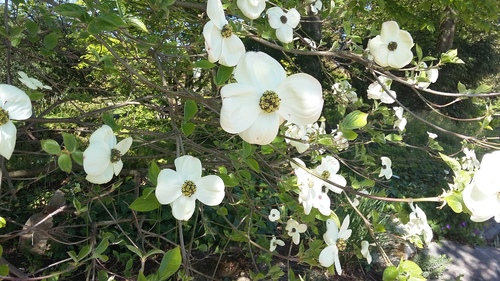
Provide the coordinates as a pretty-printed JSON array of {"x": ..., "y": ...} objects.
[{"x": 446, "y": 30}]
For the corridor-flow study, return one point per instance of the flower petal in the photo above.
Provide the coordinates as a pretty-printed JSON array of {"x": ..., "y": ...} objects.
[
  {"x": 103, "y": 177},
  {"x": 183, "y": 207},
  {"x": 215, "y": 12},
  {"x": 259, "y": 70},
  {"x": 301, "y": 99},
  {"x": 293, "y": 18},
  {"x": 15, "y": 101},
  {"x": 404, "y": 40},
  {"x": 104, "y": 134},
  {"x": 240, "y": 107},
  {"x": 210, "y": 190},
  {"x": 389, "y": 32},
  {"x": 188, "y": 167},
  {"x": 263, "y": 130},
  {"x": 8, "y": 135},
  {"x": 327, "y": 255},
  {"x": 252, "y": 9},
  {"x": 124, "y": 145},
  {"x": 274, "y": 16},
  {"x": 399, "y": 57},
  {"x": 169, "y": 186},
  {"x": 232, "y": 50},
  {"x": 117, "y": 167},
  {"x": 213, "y": 41},
  {"x": 96, "y": 158},
  {"x": 284, "y": 33}
]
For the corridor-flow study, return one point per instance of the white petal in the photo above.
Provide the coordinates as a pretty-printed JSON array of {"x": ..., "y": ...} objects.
[
  {"x": 96, "y": 158},
  {"x": 301, "y": 99},
  {"x": 104, "y": 134},
  {"x": 274, "y": 16},
  {"x": 338, "y": 268},
  {"x": 8, "y": 135},
  {"x": 381, "y": 54},
  {"x": 188, "y": 167},
  {"x": 404, "y": 40},
  {"x": 240, "y": 107},
  {"x": 260, "y": 70},
  {"x": 15, "y": 101},
  {"x": 296, "y": 238},
  {"x": 124, "y": 145},
  {"x": 210, "y": 190},
  {"x": 399, "y": 57},
  {"x": 389, "y": 31},
  {"x": 117, "y": 167},
  {"x": 252, "y": 9},
  {"x": 293, "y": 18},
  {"x": 213, "y": 41},
  {"x": 183, "y": 207},
  {"x": 284, "y": 33},
  {"x": 327, "y": 255},
  {"x": 263, "y": 130},
  {"x": 102, "y": 178},
  {"x": 215, "y": 12},
  {"x": 169, "y": 186},
  {"x": 232, "y": 50}
]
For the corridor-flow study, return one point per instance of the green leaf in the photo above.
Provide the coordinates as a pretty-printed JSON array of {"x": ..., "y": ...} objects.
[
  {"x": 354, "y": 120},
  {"x": 190, "y": 109},
  {"x": 170, "y": 263},
  {"x": 85, "y": 251},
  {"x": 455, "y": 202},
  {"x": 109, "y": 120},
  {"x": 70, "y": 10},
  {"x": 350, "y": 135},
  {"x": 72, "y": 255},
  {"x": 4, "y": 270},
  {"x": 51, "y": 147},
  {"x": 152, "y": 252},
  {"x": 483, "y": 88},
  {"x": 50, "y": 41},
  {"x": 390, "y": 273},
  {"x": 101, "y": 247},
  {"x": 253, "y": 164},
  {"x": 223, "y": 74},
  {"x": 105, "y": 22},
  {"x": 394, "y": 137},
  {"x": 3, "y": 223},
  {"x": 78, "y": 157},
  {"x": 32, "y": 27},
  {"x": 222, "y": 211},
  {"x": 153, "y": 173},
  {"x": 419, "y": 52},
  {"x": 451, "y": 162},
  {"x": 69, "y": 141},
  {"x": 64, "y": 163},
  {"x": 35, "y": 95},
  {"x": 147, "y": 202},
  {"x": 135, "y": 250},
  {"x": 204, "y": 64},
  {"x": 461, "y": 88},
  {"x": 136, "y": 22},
  {"x": 187, "y": 128}
]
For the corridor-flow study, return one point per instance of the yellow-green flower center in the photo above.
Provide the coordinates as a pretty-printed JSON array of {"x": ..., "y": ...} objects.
[
  {"x": 325, "y": 174},
  {"x": 116, "y": 155},
  {"x": 188, "y": 188},
  {"x": 341, "y": 244},
  {"x": 269, "y": 102},
  {"x": 227, "y": 31},
  {"x": 392, "y": 46},
  {"x": 4, "y": 116}
]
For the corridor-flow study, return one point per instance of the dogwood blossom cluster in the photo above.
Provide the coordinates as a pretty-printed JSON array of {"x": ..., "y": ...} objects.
[
  {"x": 400, "y": 123},
  {"x": 482, "y": 194},
  {"x": 417, "y": 225},
  {"x": 424, "y": 78},
  {"x": 294, "y": 229},
  {"x": 376, "y": 91},
  {"x": 305, "y": 134},
  {"x": 469, "y": 161},
  {"x": 344, "y": 90}
]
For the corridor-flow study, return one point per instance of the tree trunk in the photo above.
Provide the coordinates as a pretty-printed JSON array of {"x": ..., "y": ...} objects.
[{"x": 446, "y": 30}]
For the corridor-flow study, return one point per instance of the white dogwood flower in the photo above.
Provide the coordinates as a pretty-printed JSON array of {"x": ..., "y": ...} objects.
[
  {"x": 392, "y": 47},
  {"x": 284, "y": 23},
  {"x": 317, "y": 5},
  {"x": 304, "y": 133},
  {"x": 274, "y": 215},
  {"x": 252, "y": 9},
  {"x": 295, "y": 229},
  {"x": 102, "y": 158},
  {"x": 182, "y": 187},
  {"x": 14, "y": 105},
  {"x": 336, "y": 240},
  {"x": 328, "y": 170},
  {"x": 263, "y": 98},
  {"x": 311, "y": 193},
  {"x": 221, "y": 43},
  {"x": 417, "y": 225},
  {"x": 365, "y": 251},
  {"x": 386, "y": 170},
  {"x": 482, "y": 195},
  {"x": 275, "y": 242},
  {"x": 31, "y": 83},
  {"x": 401, "y": 122},
  {"x": 376, "y": 91}
]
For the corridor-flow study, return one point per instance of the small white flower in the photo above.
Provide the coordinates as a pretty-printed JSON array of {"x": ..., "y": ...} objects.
[
  {"x": 102, "y": 158},
  {"x": 263, "y": 98},
  {"x": 392, "y": 47},
  {"x": 376, "y": 91},
  {"x": 335, "y": 240},
  {"x": 417, "y": 225},
  {"x": 221, "y": 43},
  {"x": 339, "y": 140},
  {"x": 432, "y": 135},
  {"x": 14, "y": 105},
  {"x": 317, "y": 5},
  {"x": 304, "y": 133},
  {"x": 345, "y": 91},
  {"x": 274, "y": 215},
  {"x": 482, "y": 195},
  {"x": 284, "y": 23},
  {"x": 423, "y": 79},
  {"x": 328, "y": 170},
  {"x": 182, "y": 187},
  {"x": 401, "y": 122},
  {"x": 470, "y": 162},
  {"x": 295, "y": 229},
  {"x": 196, "y": 72},
  {"x": 275, "y": 242},
  {"x": 365, "y": 251},
  {"x": 311, "y": 195},
  {"x": 31, "y": 83},
  {"x": 386, "y": 170},
  {"x": 252, "y": 9}
]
